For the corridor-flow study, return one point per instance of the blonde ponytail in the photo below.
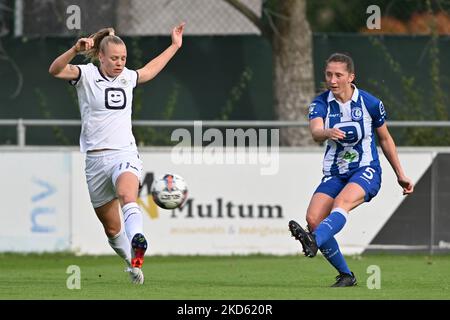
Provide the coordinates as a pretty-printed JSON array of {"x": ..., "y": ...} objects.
[{"x": 101, "y": 39}]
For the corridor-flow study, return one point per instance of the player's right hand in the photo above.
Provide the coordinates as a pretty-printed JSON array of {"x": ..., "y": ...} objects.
[
  {"x": 406, "y": 184},
  {"x": 84, "y": 44},
  {"x": 177, "y": 34},
  {"x": 334, "y": 134}
]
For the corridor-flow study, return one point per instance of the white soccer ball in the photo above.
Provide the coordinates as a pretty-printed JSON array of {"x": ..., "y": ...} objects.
[{"x": 169, "y": 191}]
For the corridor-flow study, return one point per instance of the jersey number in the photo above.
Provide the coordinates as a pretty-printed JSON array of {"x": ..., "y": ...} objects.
[{"x": 368, "y": 173}]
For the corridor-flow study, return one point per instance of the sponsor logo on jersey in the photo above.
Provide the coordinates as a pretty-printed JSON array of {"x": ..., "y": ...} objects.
[
  {"x": 115, "y": 98},
  {"x": 335, "y": 115},
  {"x": 348, "y": 156}
]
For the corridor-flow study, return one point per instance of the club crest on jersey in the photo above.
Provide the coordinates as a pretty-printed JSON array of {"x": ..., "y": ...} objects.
[
  {"x": 357, "y": 114},
  {"x": 123, "y": 81}
]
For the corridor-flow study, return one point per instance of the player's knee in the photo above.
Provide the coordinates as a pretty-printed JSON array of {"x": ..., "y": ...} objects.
[
  {"x": 342, "y": 203},
  {"x": 312, "y": 221},
  {"x": 111, "y": 231},
  {"x": 126, "y": 197}
]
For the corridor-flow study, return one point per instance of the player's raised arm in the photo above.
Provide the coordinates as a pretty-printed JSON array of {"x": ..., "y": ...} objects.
[
  {"x": 60, "y": 68},
  {"x": 151, "y": 69}
]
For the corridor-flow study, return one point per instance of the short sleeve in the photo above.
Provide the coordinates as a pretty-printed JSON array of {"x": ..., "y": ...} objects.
[
  {"x": 136, "y": 77},
  {"x": 378, "y": 114},
  {"x": 132, "y": 76},
  {"x": 317, "y": 109},
  {"x": 81, "y": 76}
]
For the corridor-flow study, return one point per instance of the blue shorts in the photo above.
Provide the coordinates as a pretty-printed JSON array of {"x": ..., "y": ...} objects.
[{"x": 369, "y": 178}]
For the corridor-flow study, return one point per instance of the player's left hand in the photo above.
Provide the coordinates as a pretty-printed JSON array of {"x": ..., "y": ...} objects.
[
  {"x": 406, "y": 184},
  {"x": 177, "y": 35}
]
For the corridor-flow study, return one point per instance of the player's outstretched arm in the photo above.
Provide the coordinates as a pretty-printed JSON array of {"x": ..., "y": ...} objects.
[
  {"x": 390, "y": 151},
  {"x": 60, "y": 68},
  {"x": 151, "y": 69}
]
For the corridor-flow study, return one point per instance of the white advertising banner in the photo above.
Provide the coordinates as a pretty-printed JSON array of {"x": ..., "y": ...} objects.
[
  {"x": 35, "y": 197},
  {"x": 234, "y": 208}
]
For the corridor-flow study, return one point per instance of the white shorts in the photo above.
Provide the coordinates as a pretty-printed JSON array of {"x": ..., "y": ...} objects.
[{"x": 102, "y": 170}]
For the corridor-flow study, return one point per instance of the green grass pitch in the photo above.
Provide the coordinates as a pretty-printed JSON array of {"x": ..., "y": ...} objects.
[{"x": 264, "y": 277}]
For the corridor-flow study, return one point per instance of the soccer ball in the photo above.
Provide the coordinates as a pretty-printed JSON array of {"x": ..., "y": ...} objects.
[{"x": 169, "y": 191}]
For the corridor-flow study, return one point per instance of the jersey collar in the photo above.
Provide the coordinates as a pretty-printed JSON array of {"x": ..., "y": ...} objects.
[
  {"x": 355, "y": 95},
  {"x": 105, "y": 77}
]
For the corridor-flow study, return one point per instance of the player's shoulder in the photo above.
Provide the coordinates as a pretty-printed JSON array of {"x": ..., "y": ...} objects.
[
  {"x": 131, "y": 75},
  {"x": 374, "y": 105},
  {"x": 370, "y": 101},
  {"x": 87, "y": 66},
  {"x": 128, "y": 71},
  {"x": 319, "y": 106},
  {"x": 85, "y": 73},
  {"x": 322, "y": 98},
  {"x": 87, "y": 70}
]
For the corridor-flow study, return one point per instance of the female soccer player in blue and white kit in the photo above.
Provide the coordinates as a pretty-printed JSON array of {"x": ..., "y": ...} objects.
[
  {"x": 347, "y": 118},
  {"x": 113, "y": 168}
]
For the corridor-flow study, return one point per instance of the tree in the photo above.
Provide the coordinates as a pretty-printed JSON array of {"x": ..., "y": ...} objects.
[
  {"x": 285, "y": 25},
  {"x": 4, "y": 56}
]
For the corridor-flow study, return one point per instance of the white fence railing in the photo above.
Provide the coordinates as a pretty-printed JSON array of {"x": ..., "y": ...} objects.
[{"x": 22, "y": 124}]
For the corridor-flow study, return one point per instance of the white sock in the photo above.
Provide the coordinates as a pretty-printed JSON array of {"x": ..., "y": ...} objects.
[
  {"x": 121, "y": 245},
  {"x": 133, "y": 219}
]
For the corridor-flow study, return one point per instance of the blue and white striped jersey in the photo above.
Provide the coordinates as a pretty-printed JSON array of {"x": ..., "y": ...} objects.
[{"x": 357, "y": 118}]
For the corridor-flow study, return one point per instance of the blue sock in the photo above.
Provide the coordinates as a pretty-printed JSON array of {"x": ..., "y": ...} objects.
[
  {"x": 330, "y": 226},
  {"x": 330, "y": 250}
]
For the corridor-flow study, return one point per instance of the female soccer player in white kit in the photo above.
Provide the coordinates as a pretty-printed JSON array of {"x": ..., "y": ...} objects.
[{"x": 113, "y": 168}]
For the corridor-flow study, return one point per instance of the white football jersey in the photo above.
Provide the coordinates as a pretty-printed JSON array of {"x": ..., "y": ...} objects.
[{"x": 105, "y": 108}]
